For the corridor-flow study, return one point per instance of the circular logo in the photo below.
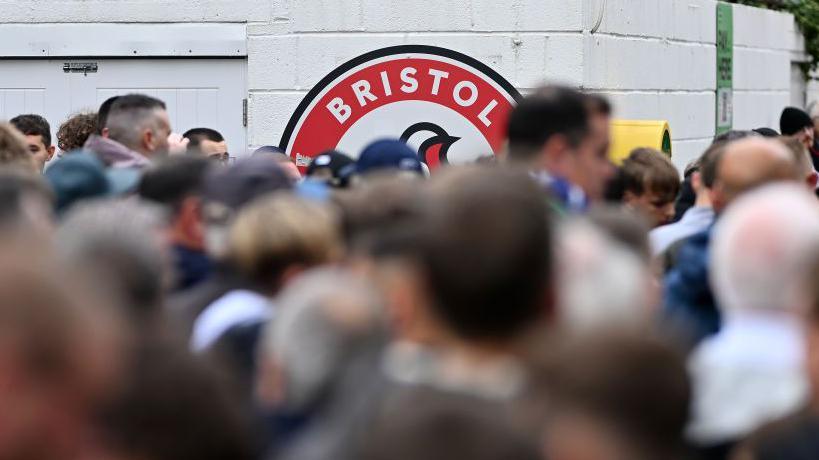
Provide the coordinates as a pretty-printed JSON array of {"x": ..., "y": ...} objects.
[{"x": 447, "y": 106}]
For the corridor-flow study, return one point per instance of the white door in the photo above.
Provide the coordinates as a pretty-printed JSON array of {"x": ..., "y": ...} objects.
[{"x": 199, "y": 92}]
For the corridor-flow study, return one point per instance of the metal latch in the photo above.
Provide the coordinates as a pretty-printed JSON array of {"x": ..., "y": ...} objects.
[{"x": 80, "y": 67}]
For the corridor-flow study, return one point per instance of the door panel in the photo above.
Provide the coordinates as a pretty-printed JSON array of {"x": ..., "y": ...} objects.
[{"x": 198, "y": 92}]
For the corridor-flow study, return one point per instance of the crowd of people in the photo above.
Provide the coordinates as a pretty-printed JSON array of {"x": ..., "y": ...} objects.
[{"x": 162, "y": 300}]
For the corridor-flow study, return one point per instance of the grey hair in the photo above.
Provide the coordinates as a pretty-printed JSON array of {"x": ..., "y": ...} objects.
[
  {"x": 328, "y": 317},
  {"x": 127, "y": 126},
  {"x": 603, "y": 283},
  {"x": 762, "y": 247},
  {"x": 120, "y": 243}
]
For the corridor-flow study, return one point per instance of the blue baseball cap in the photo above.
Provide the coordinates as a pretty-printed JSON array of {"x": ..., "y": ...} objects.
[
  {"x": 388, "y": 154},
  {"x": 81, "y": 175}
]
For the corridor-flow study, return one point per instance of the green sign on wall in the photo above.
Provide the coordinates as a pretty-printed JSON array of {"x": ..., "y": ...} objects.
[{"x": 725, "y": 67}]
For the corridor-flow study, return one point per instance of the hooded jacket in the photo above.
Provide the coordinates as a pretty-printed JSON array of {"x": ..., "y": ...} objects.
[{"x": 114, "y": 154}]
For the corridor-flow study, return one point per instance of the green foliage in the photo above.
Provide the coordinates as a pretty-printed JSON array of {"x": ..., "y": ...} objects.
[{"x": 806, "y": 13}]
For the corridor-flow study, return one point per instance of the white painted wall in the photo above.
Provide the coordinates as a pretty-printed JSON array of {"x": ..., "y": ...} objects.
[{"x": 655, "y": 58}]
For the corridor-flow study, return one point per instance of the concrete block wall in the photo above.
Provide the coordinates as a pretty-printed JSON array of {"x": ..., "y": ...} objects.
[
  {"x": 657, "y": 59},
  {"x": 654, "y": 58},
  {"x": 526, "y": 41}
]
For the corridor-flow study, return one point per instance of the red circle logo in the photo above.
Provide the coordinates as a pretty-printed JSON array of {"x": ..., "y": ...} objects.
[{"x": 447, "y": 106}]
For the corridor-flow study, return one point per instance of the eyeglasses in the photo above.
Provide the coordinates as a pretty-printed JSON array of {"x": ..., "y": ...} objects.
[{"x": 221, "y": 158}]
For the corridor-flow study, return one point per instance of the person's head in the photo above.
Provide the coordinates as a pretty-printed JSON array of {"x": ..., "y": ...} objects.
[
  {"x": 615, "y": 395},
  {"x": 801, "y": 156},
  {"x": 26, "y": 204},
  {"x": 227, "y": 190},
  {"x": 329, "y": 319},
  {"x": 550, "y": 130},
  {"x": 444, "y": 426},
  {"x": 38, "y": 137},
  {"x": 762, "y": 247},
  {"x": 387, "y": 157},
  {"x": 486, "y": 253},
  {"x": 602, "y": 282},
  {"x": 59, "y": 355},
  {"x": 208, "y": 142},
  {"x": 797, "y": 124},
  {"x": 119, "y": 244},
  {"x": 276, "y": 238},
  {"x": 279, "y": 157},
  {"x": 102, "y": 115},
  {"x": 328, "y": 166},
  {"x": 650, "y": 184},
  {"x": 173, "y": 406},
  {"x": 749, "y": 163},
  {"x": 600, "y": 112},
  {"x": 176, "y": 183},
  {"x": 14, "y": 150},
  {"x": 76, "y": 130},
  {"x": 140, "y": 123}
]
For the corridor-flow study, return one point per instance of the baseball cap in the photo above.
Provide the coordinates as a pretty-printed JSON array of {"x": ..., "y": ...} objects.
[
  {"x": 81, "y": 175},
  {"x": 794, "y": 120},
  {"x": 332, "y": 161},
  {"x": 228, "y": 189},
  {"x": 388, "y": 154}
]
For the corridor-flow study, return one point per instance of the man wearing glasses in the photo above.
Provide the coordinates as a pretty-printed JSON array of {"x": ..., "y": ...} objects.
[{"x": 209, "y": 143}]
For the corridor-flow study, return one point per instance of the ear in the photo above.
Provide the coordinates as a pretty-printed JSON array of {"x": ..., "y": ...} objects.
[
  {"x": 189, "y": 220},
  {"x": 50, "y": 152},
  {"x": 696, "y": 180},
  {"x": 104, "y": 132},
  {"x": 148, "y": 140}
]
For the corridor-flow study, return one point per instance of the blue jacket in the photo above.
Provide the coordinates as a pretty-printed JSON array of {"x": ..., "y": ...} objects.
[{"x": 689, "y": 301}]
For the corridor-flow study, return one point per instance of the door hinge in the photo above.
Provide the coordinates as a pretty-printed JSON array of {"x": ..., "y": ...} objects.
[{"x": 244, "y": 113}]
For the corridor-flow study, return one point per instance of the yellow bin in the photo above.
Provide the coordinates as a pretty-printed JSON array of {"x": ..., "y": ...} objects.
[{"x": 627, "y": 135}]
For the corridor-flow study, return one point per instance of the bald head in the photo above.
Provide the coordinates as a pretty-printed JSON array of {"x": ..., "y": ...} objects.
[{"x": 749, "y": 163}]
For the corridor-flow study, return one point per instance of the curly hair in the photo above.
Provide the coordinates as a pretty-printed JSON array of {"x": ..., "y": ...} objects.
[{"x": 75, "y": 131}]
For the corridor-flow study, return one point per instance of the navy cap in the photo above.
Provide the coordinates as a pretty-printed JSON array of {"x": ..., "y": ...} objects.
[
  {"x": 388, "y": 154},
  {"x": 243, "y": 181},
  {"x": 81, "y": 175}
]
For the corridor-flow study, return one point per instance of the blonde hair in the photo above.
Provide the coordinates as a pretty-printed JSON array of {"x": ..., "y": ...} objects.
[
  {"x": 280, "y": 231},
  {"x": 13, "y": 149}
]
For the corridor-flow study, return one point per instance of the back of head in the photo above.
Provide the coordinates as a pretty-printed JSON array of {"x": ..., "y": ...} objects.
[
  {"x": 550, "y": 111},
  {"x": 102, "y": 113},
  {"x": 762, "y": 247},
  {"x": 25, "y": 201},
  {"x": 76, "y": 130},
  {"x": 486, "y": 252},
  {"x": 33, "y": 125},
  {"x": 280, "y": 232},
  {"x": 633, "y": 388},
  {"x": 329, "y": 318},
  {"x": 445, "y": 427},
  {"x": 794, "y": 120},
  {"x": 130, "y": 115},
  {"x": 13, "y": 150},
  {"x": 174, "y": 407},
  {"x": 169, "y": 181},
  {"x": 59, "y": 353},
  {"x": 602, "y": 283},
  {"x": 119, "y": 244},
  {"x": 197, "y": 135},
  {"x": 749, "y": 163}
]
